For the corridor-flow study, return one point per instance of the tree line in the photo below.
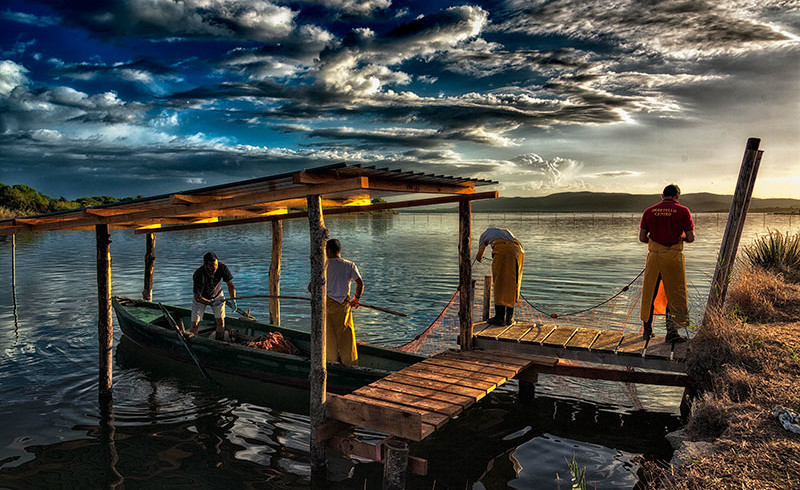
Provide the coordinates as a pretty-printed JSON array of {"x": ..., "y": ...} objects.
[{"x": 21, "y": 200}]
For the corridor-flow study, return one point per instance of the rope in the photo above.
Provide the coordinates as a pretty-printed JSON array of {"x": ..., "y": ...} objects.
[{"x": 556, "y": 315}]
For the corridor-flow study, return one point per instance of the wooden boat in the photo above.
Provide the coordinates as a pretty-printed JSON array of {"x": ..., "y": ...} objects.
[{"x": 144, "y": 323}]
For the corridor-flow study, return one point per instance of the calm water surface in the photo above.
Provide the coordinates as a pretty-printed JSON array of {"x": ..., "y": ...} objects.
[{"x": 170, "y": 429}]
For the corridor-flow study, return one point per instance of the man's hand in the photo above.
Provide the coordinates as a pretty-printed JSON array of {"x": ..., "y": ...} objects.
[
  {"x": 354, "y": 303},
  {"x": 234, "y": 306}
]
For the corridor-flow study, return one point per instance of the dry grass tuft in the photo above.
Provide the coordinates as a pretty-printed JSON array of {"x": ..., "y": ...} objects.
[
  {"x": 709, "y": 417},
  {"x": 762, "y": 296}
]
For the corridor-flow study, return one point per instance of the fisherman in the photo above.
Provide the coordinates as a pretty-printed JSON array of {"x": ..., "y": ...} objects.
[
  {"x": 507, "y": 259},
  {"x": 340, "y": 332},
  {"x": 664, "y": 228},
  {"x": 208, "y": 292}
]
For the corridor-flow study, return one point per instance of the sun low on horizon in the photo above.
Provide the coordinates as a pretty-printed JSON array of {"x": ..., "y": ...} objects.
[{"x": 133, "y": 97}]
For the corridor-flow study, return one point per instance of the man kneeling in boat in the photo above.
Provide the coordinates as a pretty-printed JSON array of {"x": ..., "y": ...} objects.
[
  {"x": 507, "y": 259},
  {"x": 208, "y": 292},
  {"x": 340, "y": 332}
]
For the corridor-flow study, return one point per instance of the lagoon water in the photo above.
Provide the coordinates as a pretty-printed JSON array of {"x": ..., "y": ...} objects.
[{"x": 171, "y": 430}]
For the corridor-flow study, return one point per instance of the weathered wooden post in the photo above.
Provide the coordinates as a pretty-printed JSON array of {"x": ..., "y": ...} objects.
[
  {"x": 734, "y": 226},
  {"x": 395, "y": 464},
  {"x": 275, "y": 273},
  {"x": 105, "y": 328},
  {"x": 487, "y": 297},
  {"x": 149, "y": 266},
  {"x": 318, "y": 375},
  {"x": 14, "y": 284},
  {"x": 465, "y": 274}
]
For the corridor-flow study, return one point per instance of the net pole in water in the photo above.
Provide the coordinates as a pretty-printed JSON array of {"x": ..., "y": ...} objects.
[
  {"x": 275, "y": 273},
  {"x": 149, "y": 266},
  {"x": 105, "y": 327}
]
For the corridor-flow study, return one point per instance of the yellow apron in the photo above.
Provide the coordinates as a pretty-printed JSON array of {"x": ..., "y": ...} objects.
[
  {"x": 507, "y": 260},
  {"x": 665, "y": 270},
  {"x": 340, "y": 333}
]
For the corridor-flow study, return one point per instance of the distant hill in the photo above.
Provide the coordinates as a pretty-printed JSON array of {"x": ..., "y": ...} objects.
[{"x": 598, "y": 202}]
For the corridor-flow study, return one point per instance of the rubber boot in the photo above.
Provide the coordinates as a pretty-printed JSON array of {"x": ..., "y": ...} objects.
[
  {"x": 499, "y": 317},
  {"x": 647, "y": 330},
  {"x": 509, "y": 316}
]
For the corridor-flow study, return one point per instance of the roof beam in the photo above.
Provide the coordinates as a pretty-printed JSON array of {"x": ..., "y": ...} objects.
[{"x": 389, "y": 185}]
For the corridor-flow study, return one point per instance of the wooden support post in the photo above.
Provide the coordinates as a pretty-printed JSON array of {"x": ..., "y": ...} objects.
[
  {"x": 318, "y": 375},
  {"x": 465, "y": 274},
  {"x": 105, "y": 328},
  {"x": 275, "y": 273},
  {"x": 149, "y": 267},
  {"x": 733, "y": 229},
  {"x": 487, "y": 297},
  {"x": 395, "y": 464},
  {"x": 527, "y": 387},
  {"x": 14, "y": 284}
]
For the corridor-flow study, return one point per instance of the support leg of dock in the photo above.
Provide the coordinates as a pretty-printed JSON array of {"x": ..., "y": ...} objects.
[
  {"x": 527, "y": 387},
  {"x": 395, "y": 465}
]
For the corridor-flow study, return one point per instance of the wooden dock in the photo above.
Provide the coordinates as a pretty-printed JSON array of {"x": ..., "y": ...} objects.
[
  {"x": 610, "y": 347},
  {"x": 415, "y": 401}
]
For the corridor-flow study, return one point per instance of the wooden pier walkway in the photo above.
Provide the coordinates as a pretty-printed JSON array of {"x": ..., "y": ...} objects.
[
  {"x": 415, "y": 401},
  {"x": 610, "y": 347}
]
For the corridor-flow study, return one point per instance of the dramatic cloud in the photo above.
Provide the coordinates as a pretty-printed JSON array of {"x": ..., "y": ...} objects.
[
  {"x": 11, "y": 75},
  {"x": 34, "y": 20}
]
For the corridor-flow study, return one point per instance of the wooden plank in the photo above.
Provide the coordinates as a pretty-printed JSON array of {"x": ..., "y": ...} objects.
[
  {"x": 409, "y": 400},
  {"x": 432, "y": 384},
  {"x": 632, "y": 345},
  {"x": 479, "y": 327},
  {"x": 658, "y": 349},
  {"x": 583, "y": 338},
  {"x": 514, "y": 333},
  {"x": 567, "y": 368},
  {"x": 492, "y": 332},
  {"x": 537, "y": 333},
  {"x": 559, "y": 336},
  {"x": 608, "y": 340},
  {"x": 397, "y": 421},
  {"x": 352, "y": 446},
  {"x": 463, "y": 364},
  {"x": 453, "y": 398},
  {"x": 486, "y": 386},
  {"x": 680, "y": 350},
  {"x": 522, "y": 359},
  {"x": 477, "y": 357},
  {"x": 459, "y": 374},
  {"x": 434, "y": 420}
]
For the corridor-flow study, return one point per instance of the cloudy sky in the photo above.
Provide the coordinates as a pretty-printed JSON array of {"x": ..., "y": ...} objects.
[{"x": 127, "y": 97}]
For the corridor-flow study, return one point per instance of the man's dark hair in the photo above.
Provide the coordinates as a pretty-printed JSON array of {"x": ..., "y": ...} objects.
[
  {"x": 209, "y": 257},
  {"x": 333, "y": 246},
  {"x": 671, "y": 190}
]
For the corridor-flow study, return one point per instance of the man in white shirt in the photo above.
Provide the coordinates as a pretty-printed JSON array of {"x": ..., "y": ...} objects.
[{"x": 340, "y": 333}]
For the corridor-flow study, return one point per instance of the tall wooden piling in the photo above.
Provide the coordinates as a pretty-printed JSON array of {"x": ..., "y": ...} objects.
[
  {"x": 465, "y": 274},
  {"x": 318, "y": 376},
  {"x": 734, "y": 226},
  {"x": 275, "y": 273},
  {"x": 149, "y": 266},
  {"x": 105, "y": 329}
]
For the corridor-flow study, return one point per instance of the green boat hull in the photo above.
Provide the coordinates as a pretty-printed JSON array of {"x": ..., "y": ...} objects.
[{"x": 144, "y": 323}]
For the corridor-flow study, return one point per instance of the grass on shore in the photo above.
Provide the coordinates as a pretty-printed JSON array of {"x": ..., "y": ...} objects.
[{"x": 745, "y": 362}]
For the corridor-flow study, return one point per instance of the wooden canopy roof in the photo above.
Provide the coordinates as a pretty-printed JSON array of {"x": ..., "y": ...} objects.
[{"x": 344, "y": 188}]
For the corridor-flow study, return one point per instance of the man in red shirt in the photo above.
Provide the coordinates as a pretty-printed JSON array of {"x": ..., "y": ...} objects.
[{"x": 664, "y": 228}]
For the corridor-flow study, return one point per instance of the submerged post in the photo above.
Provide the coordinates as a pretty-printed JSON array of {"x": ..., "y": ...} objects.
[
  {"x": 105, "y": 329},
  {"x": 395, "y": 465},
  {"x": 275, "y": 273},
  {"x": 149, "y": 267},
  {"x": 465, "y": 274},
  {"x": 318, "y": 376},
  {"x": 734, "y": 226}
]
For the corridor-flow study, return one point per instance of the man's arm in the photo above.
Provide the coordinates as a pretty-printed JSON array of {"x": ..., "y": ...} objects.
[
  {"x": 479, "y": 256},
  {"x": 231, "y": 289},
  {"x": 354, "y": 302},
  {"x": 689, "y": 236},
  {"x": 643, "y": 235}
]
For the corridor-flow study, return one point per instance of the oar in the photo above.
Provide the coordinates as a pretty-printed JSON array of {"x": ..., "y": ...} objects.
[
  {"x": 305, "y": 298},
  {"x": 177, "y": 329}
]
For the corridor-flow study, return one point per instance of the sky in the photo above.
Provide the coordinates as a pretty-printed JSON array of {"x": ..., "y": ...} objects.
[{"x": 143, "y": 97}]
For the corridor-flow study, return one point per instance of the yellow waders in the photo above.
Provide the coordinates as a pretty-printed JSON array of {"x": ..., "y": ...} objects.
[
  {"x": 665, "y": 264},
  {"x": 507, "y": 260},
  {"x": 340, "y": 334}
]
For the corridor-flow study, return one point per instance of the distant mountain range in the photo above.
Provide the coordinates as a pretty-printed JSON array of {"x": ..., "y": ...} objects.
[{"x": 600, "y": 202}]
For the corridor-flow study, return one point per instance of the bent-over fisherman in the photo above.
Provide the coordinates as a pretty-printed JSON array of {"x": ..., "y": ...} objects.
[
  {"x": 207, "y": 288},
  {"x": 508, "y": 257},
  {"x": 340, "y": 331},
  {"x": 664, "y": 228}
]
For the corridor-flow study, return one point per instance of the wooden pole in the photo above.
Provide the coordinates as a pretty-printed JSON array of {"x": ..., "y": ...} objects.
[
  {"x": 395, "y": 465},
  {"x": 734, "y": 226},
  {"x": 275, "y": 273},
  {"x": 487, "y": 297},
  {"x": 465, "y": 273},
  {"x": 318, "y": 375},
  {"x": 14, "y": 285},
  {"x": 149, "y": 267},
  {"x": 105, "y": 327}
]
